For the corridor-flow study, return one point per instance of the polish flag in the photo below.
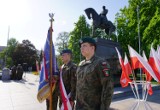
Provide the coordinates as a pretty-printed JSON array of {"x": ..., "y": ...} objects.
[
  {"x": 158, "y": 51},
  {"x": 155, "y": 63},
  {"x": 148, "y": 76},
  {"x": 124, "y": 80},
  {"x": 149, "y": 88},
  {"x": 127, "y": 65},
  {"x": 139, "y": 62}
]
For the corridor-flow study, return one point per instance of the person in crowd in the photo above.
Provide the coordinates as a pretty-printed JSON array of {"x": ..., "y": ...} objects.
[
  {"x": 13, "y": 72},
  {"x": 19, "y": 72}
]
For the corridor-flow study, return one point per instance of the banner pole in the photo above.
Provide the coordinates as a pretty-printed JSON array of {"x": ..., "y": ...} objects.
[{"x": 51, "y": 74}]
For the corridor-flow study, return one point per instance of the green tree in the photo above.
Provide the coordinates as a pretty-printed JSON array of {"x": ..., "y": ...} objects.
[
  {"x": 62, "y": 41},
  {"x": 25, "y": 52},
  {"x": 3, "y": 57},
  {"x": 7, "y": 53},
  {"x": 81, "y": 29},
  {"x": 149, "y": 21}
]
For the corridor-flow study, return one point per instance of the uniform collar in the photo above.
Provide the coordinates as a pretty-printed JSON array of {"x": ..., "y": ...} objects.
[
  {"x": 85, "y": 62},
  {"x": 67, "y": 65}
]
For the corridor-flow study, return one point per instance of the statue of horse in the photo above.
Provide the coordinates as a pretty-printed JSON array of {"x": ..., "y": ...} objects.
[{"x": 98, "y": 21}]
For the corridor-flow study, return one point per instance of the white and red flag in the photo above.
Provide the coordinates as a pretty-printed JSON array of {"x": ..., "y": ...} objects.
[
  {"x": 149, "y": 88},
  {"x": 139, "y": 62},
  {"x": 124, "y": 80},
  {"x": 127, "y": 65},
  {"x": 155, "y": 63},
  {"x": 148, "y": 76},
  {"x": 158, "y": 51}
]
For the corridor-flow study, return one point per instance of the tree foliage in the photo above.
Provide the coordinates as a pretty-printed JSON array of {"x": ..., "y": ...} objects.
[
  {"x": 12, "y": 44},
  {"x": 62, "y": 41},
  {"x": 25, "y": 52},
  {"x": 149, "y": 21},
  {"x": 81, "y": 29},
  {"x": 7, "y": 53},
  {"x": 100, "y": 33}
]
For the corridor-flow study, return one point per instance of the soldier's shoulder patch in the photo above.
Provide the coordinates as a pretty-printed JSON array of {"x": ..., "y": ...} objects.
[
  {"x": 104, "y": 63},
  {"x": 106, "y": 71}
]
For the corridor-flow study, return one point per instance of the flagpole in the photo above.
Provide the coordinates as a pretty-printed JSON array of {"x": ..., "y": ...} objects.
[{"x": 51, "y": 75}]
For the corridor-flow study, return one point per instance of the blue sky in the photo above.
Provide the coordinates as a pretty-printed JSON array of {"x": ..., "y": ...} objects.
[{"x": 28, "y": 19}]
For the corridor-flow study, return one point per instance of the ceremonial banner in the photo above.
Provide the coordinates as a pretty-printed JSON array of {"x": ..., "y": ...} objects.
[{"x": 44, "y": 87}]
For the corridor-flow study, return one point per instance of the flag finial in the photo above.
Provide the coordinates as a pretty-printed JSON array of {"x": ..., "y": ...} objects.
[{"x": 51, "y": 15}]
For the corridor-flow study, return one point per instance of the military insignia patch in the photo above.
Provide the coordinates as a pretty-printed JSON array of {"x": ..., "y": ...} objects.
[
  {"x": 106, "y": 72},
  {"x": 104, "y": 63}
]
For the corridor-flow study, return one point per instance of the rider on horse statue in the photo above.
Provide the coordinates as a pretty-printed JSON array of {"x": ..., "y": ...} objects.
[
  {"x": 103, "y": 15},
  {"x": 100, "y": 20}
]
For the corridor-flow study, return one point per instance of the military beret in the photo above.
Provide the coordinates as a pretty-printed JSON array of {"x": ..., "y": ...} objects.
[
  {"x": 66, "y": 51},
  {"x": 87, "y": 39}
]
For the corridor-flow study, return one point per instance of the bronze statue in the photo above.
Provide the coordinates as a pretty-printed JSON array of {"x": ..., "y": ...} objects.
[
  {"x": 103, "y": 15},
  {"x": 100, "y": 21}
]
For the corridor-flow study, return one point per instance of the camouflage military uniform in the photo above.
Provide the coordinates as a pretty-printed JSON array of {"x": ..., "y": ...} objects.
[
  {"x": 94, "y": 88},
  {"x": 69, "y": 79}
]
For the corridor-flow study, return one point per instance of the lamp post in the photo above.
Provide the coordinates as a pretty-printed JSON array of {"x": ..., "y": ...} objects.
[{"x": 139, "y": 38}]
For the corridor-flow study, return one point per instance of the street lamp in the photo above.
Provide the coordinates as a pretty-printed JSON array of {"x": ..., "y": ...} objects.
[{"x": 139, "y": 38}]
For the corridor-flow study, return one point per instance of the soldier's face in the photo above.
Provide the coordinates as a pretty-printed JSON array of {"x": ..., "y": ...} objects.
[
  {"x": 65, "y": 57},
  {"x": 87, "y": 49}
]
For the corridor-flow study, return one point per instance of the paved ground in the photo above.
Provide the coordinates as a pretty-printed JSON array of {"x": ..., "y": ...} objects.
[
  {"x": 21, "y": 95},
  {"x": 126, "y": 103}
]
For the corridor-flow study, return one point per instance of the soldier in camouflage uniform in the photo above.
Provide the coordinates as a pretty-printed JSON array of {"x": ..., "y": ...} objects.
[
  {"x": 68, "y": 75},
  {"x": 94, "y": 87}
]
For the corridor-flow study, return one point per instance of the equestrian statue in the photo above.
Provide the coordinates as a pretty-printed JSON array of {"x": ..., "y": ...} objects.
[{"x": 100, "y": 20}]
